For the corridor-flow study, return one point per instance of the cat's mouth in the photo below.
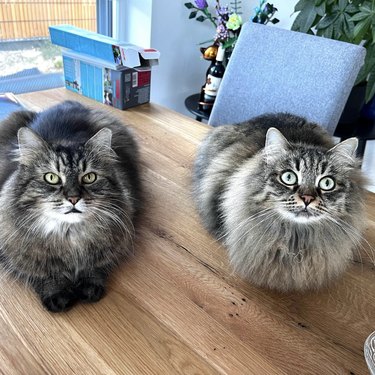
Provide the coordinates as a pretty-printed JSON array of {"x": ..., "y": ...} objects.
[
  {"x": 73, "y": 211},
  {"x": 304, "y": 213}
]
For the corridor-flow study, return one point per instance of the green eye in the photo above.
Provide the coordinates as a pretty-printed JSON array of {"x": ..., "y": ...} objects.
[
  {"x": 89, "y": 178},
  {"x": 52, "y": 178},
  {"x": 327, "y": 183},
  {"x": 289, "y": 178}
]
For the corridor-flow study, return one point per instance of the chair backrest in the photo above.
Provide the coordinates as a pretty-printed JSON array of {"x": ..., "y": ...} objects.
[{"x": 277, "y": 70}]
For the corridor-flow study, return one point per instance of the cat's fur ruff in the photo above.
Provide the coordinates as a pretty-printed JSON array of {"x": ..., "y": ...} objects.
[
  {"x": 66, "y": 257},
  {"x": 273, "y": 239}
]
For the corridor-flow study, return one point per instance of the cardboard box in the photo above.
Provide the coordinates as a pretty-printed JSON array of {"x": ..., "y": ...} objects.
[
  {"x": 103, "y": 68},
  {"x": 117, "y": 53},
  {"x": 118, "y": 88}
]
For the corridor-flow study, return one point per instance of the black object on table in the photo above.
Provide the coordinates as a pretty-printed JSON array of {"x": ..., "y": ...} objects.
[
  {"x": 192, "y": 105},
  {"x": 363, "y": 129}
]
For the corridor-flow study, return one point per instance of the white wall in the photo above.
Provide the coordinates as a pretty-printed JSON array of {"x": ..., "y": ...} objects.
[{"x": 164, "y": 25}]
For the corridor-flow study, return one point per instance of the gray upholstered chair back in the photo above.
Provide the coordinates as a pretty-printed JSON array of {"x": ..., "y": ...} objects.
[{"x": 277, "y": 70}]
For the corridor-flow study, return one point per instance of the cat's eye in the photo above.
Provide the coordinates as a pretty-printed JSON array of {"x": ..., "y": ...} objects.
[
  {"x": 289, "y": 178},
  {"x": 327, "y": 183},
  {"x": 52, "y": 178},
  {"x": 89, "y": 178}
]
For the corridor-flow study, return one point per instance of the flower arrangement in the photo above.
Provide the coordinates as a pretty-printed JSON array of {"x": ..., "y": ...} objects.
[{"x": 227, "y": 19}]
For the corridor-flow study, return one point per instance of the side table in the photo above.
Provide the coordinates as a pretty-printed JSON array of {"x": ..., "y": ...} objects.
[{"x": 191, "y": 104}]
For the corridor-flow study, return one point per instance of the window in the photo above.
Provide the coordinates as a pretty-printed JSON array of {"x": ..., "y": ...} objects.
[{"x": 28, "y": 61}]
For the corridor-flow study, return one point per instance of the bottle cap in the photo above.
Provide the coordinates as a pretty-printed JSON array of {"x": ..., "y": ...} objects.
[{"x": 220, "y": 53}]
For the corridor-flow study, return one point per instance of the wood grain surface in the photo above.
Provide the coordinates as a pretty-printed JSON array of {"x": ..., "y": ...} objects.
[{"x": 175, "y": 307}]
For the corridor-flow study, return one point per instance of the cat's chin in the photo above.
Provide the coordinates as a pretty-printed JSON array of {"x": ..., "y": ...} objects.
[
  {"x": 72, "y": 217},
  {"x": 301, "y": 217},
  {"x": 67, "y": 218}
]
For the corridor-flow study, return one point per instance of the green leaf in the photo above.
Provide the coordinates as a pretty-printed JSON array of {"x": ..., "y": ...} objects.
[
  {"x": 370, "y": 58},
  {"x": 201, "y": 18},
  {"x": 343, "y": 4},
  {"x": 327, "y": 21},
  {"x": 319, "y": 2},
  {"x": 359, "y": 16},
  {"x": 189, "y": 5},
  {"x": 360, "y": 29},
  {"x": 370, "y": 88},
  {"x": 366, "y": 8},
  {"x": 229, "y": 42},
  {"x": 305, "y": 18},
  {"x": 301, "y": 5},
  {"x": 357, "y": 2},
  {"x": 369, "y": 64},
  {"x": 348, "y": 27},
  {"x": 338, "y": 27},
  {"x": 321, "y": 9},
  {"x": 351, "y": 8},
  {"x": 361, "y": 75},
  {"x": 193, "y": 14}
]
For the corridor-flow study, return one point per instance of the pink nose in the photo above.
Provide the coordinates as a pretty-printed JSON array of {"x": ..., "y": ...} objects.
[
  {"x": 73, "y": 200},
  {"x": 307, "y": 199}
]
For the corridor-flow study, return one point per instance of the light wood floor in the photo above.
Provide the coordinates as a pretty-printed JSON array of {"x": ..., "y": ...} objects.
[{"x": 176, "y": 307}]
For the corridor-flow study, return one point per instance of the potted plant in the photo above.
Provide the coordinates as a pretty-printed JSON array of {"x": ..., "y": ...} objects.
[{"x": 350, "y": 21}]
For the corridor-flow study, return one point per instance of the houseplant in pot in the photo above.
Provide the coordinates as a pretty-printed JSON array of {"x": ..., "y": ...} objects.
[{"x": 350, "y": 21}]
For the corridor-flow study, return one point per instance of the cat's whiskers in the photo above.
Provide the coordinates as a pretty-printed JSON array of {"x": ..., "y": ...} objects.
[{"x": 114, "y": 216}]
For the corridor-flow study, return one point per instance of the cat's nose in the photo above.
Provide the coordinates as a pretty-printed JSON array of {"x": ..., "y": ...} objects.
[
  {"x": 307, "y": 199},
  {"x": 73, "y": 200}
]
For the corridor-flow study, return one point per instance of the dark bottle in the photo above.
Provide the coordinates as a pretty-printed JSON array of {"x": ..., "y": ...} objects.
[{"x": 214, "y": 76}]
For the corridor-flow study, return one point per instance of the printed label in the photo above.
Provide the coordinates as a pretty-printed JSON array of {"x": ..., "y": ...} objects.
[
  {"x": 135, "y": 79},
  {"x": 212, "y": 85}
]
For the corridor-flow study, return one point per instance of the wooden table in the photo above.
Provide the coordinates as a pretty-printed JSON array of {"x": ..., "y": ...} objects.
[{"x": 176, "y": 307}]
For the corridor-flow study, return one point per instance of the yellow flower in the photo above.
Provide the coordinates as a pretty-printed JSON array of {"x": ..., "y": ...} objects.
[{"x": 234, "y": 22}]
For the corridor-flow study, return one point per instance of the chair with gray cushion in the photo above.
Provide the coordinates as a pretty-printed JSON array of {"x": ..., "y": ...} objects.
[{"x": 277, "y": 70}]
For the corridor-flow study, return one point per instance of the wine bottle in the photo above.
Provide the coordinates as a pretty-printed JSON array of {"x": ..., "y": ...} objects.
[{"x": 213, "y": 80}]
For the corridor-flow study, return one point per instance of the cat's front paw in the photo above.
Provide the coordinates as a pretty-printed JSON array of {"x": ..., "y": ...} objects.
[
  {"x": 59, "y": 301},
  {"x": 90, "y": 292}
]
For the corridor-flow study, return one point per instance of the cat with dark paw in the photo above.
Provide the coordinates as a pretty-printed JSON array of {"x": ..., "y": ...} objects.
[
  {"x": 90, "y": 291},
  {"x": 60, "y": 301},
  {"x": 69, "y": 191}
]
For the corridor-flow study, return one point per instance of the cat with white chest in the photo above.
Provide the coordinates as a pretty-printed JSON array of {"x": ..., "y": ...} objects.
[
  {"x": 287, "y": 203},
  {"x": 69, "y": 192}
]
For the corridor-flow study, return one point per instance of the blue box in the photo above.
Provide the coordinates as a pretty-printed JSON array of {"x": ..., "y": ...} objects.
[{"x": 117, "y": 53}]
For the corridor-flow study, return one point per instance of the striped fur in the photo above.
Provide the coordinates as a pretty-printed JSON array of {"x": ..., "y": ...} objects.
[
  {"x": 274, "y": 239},
  {"x": 66, "y": 255}
]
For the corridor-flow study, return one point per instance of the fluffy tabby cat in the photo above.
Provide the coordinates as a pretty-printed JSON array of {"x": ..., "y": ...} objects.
[
  {"x": 69, "y": 191},
  {"x": 285, "y": 201}
]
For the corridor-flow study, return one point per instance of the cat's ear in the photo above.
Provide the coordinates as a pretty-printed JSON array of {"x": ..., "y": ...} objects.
[
  {"x": 275, "y": 143},
  {"x": 29, "y": 144},
  {"x": 101, "y": 141},
  {"x": 346, "y": 148}
]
